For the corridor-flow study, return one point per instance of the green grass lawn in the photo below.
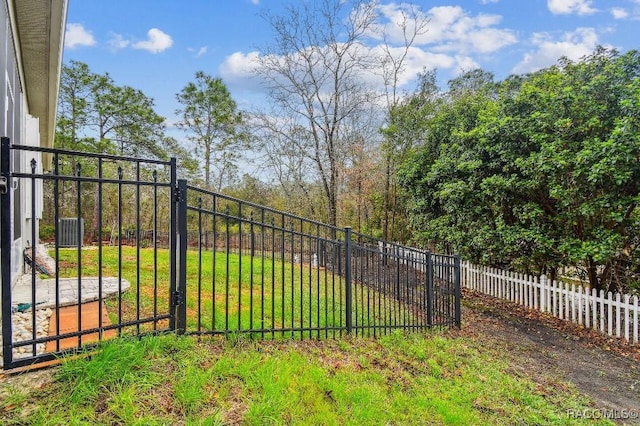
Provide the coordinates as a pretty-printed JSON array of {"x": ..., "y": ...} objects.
[
  {"x": 397, "y": 379},
  {"x": 419, "y": 378},
  {"x": 234, "y": 292}
]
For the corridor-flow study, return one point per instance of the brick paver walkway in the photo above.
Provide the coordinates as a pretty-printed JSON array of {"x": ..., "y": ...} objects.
[{"x": 69, "y": 323}]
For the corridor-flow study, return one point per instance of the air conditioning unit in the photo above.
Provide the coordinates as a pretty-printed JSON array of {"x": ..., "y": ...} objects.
[{"x": 68, "y": 232}]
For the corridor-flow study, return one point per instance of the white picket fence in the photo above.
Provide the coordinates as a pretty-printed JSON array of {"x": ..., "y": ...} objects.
[{"x": 613, "y": 314}]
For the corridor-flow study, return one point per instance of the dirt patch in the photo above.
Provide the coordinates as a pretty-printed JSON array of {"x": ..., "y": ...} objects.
[
  {"x": 542, "y": 347},
  {"x": 26, "y": 380}
]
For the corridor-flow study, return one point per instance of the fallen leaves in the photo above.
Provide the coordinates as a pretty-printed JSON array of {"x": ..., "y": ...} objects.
[{"x": 501, "y": 308}]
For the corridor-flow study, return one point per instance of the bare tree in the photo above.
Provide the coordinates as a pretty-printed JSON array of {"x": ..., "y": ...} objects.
[
  {"x": 412, "y": 24},
  {"x": 314, "y": 73},
  {"x": 282, "y": 160}
]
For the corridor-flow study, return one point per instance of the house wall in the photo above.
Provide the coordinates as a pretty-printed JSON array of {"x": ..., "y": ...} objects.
[
  {"x": 31, "y": 138},
  {"x": 20, "y": 128}
]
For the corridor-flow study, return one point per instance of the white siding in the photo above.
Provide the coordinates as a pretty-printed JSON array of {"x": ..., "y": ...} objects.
[
  {"x": 32, "y": 138},
  {"x": 12, "y": 123}
]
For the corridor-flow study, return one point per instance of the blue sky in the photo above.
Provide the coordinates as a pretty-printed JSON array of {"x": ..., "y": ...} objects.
[{"x": 158, "y": 45}]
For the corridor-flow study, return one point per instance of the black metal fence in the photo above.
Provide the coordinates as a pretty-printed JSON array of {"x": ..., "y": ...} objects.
[
  {"x": 276, "y": 274},
  {"x": 157, "y": 255}
]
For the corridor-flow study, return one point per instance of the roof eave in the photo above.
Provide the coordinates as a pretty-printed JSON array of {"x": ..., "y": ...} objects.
[{"x": 40, "y": 34}]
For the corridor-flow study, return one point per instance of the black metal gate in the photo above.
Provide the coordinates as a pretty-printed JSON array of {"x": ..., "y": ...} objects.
[
  {"x": 98, "y": 284},
  {"x": 134, "y": 250}
]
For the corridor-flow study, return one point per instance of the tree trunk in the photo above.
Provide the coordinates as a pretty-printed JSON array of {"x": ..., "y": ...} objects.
[
  {"x": 385, "y": 204},
  {"x": 592, "y": 273},
  {"x": 207, "y": 164}
]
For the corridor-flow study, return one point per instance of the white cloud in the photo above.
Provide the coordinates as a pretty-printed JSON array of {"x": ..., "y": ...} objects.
[
  {"x": 157, "y": 41},
  {"x": 239, "y": 65},
  {"x": 239, "y": 68},
  {"x": 237, "y": 71},
  {"x": 574, "y": 45},
  {"x": 393, "y": 16},
  {"x": 416, "y": 61},
  {"x": 171, "y": 122},
  {"x": 256, "y": 2},
  {"x": 631, "y": 12},
  {"x": 619, "y": 13},
  {"x": 452, "y": 41},
  {"x": 76, "y": 35},
  {"x": 201, "y": 51},
  {"x": 568, "y": 7},
  {"x": 465, "y": 63},
  {"x": 451, "y": 29},
  {"x": 490, "y": 40},
  {"x": 459, "y": 32},
  {"x": 117, "y": 42}
]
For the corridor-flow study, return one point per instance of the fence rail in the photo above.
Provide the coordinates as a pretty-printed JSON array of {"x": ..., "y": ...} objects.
[
  {"x": 614, "y": 314},
  {"x": 154, "y": 254}
]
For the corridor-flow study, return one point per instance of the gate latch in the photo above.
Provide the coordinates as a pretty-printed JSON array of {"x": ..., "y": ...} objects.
[{"x": 4, "y": 187}]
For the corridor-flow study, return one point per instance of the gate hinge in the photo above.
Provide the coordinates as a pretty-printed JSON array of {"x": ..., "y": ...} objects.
[
  {"x": 178, "y": 195},
  {"x": 4, "y": 186},
  {"x": 178, "y": 300}
]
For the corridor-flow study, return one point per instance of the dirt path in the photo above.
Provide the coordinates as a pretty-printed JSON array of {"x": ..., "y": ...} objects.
[{"x": 544, "y": 348}]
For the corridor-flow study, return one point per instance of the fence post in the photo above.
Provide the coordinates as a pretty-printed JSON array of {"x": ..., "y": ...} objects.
[
  {"x": 543, "y": 300},
  {"x": 173, "y": 246},
  {"x": 347, "y": 278},
  {"x": 5, "y": 250},
  {"x": 182, "y": 258},
  {"x": 429, "y": 289},
  {"x": 458, "y": 292}
]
